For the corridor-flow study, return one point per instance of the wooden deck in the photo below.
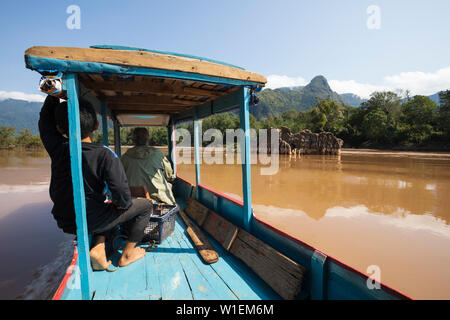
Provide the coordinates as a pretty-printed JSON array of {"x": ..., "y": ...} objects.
[{"x": 175, "y": 271}]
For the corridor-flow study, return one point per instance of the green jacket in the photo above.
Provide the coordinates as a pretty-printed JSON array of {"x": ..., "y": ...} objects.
[{"x": 147, "y": 166}]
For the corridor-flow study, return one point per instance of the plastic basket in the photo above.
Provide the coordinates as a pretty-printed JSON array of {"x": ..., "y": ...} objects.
[{"x": 161, "y": 224}]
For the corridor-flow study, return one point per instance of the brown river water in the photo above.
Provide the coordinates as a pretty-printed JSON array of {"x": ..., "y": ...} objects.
[{"x": 389, "y": 209}]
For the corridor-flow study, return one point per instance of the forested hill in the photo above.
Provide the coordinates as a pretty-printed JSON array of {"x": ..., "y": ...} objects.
[
  {"x": 20, "y": 114},
  {"x": 355, "y": 101},
  {"x": 275, "y": 102},
  {"x": 24, "y": 115}
]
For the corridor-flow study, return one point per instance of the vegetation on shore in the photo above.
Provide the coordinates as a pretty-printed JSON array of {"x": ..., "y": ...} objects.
[
  {"x": 386, "y": 120},
  {"x": 158, "y": 136},
  {"x": 9, "y": 139}
]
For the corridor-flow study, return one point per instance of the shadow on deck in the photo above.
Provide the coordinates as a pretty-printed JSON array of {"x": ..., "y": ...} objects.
[{"x": 175, "y": 271}]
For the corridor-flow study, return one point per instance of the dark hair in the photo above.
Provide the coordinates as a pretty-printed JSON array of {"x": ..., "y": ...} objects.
[
  {"x": 88, "y": 118},
  {"x": 141, "y": 137}
]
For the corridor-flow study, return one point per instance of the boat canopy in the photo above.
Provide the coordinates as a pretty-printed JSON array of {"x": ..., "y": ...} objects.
[
  {"x": 136, "y": 82},
  {"x": 139, "y": 87}
]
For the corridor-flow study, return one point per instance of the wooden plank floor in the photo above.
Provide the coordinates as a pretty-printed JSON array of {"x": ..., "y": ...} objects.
[{"x": 175, "y": 271}]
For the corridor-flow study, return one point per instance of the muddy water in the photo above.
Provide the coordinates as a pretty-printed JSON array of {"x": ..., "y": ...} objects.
[
  {"x": 365, "y": 208},
  {"x": 33, "y": 250}
]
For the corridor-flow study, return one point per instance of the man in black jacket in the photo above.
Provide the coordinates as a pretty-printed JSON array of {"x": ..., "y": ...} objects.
[{"x": 102, "y": 170}]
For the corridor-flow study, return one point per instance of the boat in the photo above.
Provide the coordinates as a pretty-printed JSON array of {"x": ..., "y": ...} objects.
[{"x": 140, "y": 87}]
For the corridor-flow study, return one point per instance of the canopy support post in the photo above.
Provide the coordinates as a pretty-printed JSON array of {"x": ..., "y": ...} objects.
[
  {"x": 244, "y": 100},
  {"x": 105, "y": 124},
  {"x": 196, "y": 147},
  {"x": 117, "y": 144},
  {"x": 172, "y": 144},
  {"x": 71, "y": 86}
]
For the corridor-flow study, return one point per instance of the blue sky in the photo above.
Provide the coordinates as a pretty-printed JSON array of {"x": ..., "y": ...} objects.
[{"x": 288, "y": 41}]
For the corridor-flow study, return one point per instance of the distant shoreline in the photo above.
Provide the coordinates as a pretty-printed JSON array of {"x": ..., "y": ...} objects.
[
  {"x": 424, "y": 149},
  {"x": 22, "y": 148},
  {"x": 395, "y": 152},
  {"x": 343, "y": 150}
]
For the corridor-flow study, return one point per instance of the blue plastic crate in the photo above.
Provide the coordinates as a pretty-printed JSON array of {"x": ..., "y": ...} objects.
[{"x": 161, "y": 224}]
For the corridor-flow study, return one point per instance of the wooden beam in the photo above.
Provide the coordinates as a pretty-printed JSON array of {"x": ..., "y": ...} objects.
[
  {"x": 147, "y": 111},
  {"x": 202, "y": 92},
  {"x": 146, "y": 85},
  {"x": 220, "y": 229},
  {"x": 282, "y": 274},
  {"x": 145, "y": 59},
  {"x": 201, "y": 242},
  {"x": 147, "y": 106},
  {"x": 196, "y": 211},
  {"x": 150, "y": 99}
]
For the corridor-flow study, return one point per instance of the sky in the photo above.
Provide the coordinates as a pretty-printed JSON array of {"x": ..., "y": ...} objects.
[{"x": 359, "y": 46}]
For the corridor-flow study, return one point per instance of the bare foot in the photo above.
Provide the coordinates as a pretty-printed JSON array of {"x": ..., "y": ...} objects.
[
  {"x": 98, "y": 255},
  {"x": 131, "y": 254}
]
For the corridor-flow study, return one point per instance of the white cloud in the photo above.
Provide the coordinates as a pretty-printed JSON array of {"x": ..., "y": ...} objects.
[
  {"x": 423, "y": 83},
  {"x": 351, "y": 86},
  {"x": 276, "y": 81},
  {"x": 21, "y": 96}
]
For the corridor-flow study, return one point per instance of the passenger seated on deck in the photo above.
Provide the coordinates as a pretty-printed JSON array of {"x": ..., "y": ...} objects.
[
  {"x": 147, "y": 166},
  {"x": 101, "y": 168}
]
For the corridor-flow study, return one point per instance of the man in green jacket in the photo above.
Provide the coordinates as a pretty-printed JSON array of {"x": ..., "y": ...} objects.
[{"x": 147, "y": 166}]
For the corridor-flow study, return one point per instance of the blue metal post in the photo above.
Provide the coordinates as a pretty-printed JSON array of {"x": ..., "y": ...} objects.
[
  {"x": 105, "y": 124},
  {"x": 196, "y": 147},
  {"x": 117, "y": 143},
  {"x": 171, "y": 135},
  {"x": 244, "y": 101},
  {"x": 319, "y": 270},
  {"x": 71, "y": 85}
]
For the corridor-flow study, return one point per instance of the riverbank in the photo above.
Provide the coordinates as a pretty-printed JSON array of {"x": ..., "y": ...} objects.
[{"x": 412, "y": 148}]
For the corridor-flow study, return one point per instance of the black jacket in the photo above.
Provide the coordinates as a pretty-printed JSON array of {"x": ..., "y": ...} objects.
[{"x": 101, "y": 167}]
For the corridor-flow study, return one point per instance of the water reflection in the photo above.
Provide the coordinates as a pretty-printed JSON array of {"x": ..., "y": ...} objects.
[
  {"x": 29, "y": 239},
  {"x": 411, "y": 250}
]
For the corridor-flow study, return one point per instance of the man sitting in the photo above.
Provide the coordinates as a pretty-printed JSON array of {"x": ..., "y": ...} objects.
[
  {"x": 101, "y": 168},
  {"x": 147, "y": 166}
]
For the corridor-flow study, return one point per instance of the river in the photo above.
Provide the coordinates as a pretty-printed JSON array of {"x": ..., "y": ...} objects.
[{"x": 365, "y": 208}]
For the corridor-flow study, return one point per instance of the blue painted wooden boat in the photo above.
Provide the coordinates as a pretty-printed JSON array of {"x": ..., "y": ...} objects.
[{"x": 146, "y": 87}]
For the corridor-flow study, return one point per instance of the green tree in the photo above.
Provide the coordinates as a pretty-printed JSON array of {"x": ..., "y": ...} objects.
[
  {"x": 377, "y": 120},
  {"x": 7, "y": 139},
  {"x": 318, "y": 120},
  {"x": 289, "y": 115},
  {"x": 26, "y": 139},
  {"x": 444, "y": 113},
  {"x": 158, "y": 136},
  {"x": 418, "y": 118},
  {"x": 389, "y": 102},
  {"x": 374, "y": 125}
]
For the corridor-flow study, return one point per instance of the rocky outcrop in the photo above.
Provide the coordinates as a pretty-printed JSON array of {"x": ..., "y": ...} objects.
[{"x": 307, "y": 142}]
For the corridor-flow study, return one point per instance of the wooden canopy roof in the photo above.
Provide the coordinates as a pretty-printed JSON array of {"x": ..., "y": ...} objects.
[{"x": 138, "y": 81}]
